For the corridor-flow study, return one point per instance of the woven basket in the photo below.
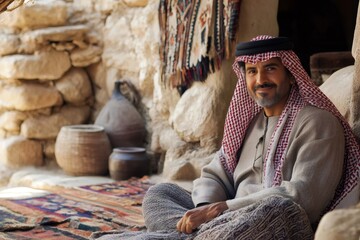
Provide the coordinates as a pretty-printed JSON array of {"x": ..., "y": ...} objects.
[{"x": 83, "y": 150}]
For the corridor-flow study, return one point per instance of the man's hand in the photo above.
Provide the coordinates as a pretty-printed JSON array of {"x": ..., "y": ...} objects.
[{"x": 193, "y": 218}]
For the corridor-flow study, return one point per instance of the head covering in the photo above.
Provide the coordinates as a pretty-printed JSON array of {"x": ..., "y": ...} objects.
[
  {"x": 265, "y": 45},
  {"x": 243, "y": 109}
]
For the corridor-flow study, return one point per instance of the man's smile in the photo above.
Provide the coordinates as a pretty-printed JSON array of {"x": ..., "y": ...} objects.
[{"x": 263, "y": 88}]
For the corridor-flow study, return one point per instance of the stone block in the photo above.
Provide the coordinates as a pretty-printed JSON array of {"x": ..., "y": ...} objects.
[
  {"x": 9, "y": 44},
  {"x": 97, "y": 73},
  {"x": 29, "y": 96},
  {"x": 54, "y": 34},
  {"x": 341, "y": 79},
  {"x": 48, "y": 127},
  {"x": 75, "y": 86},
  {"x": 340, "y": 224},
  {"x": 43, "y": 65},
  {"x": 36, "y": 14},
  {"x": 85, "y": 57},
  {"x": 195, "y": 117},
  {"x": 18, "y": 151},
  {"x": 179, "y": 170},
  {"x": 11, "y": 121}
]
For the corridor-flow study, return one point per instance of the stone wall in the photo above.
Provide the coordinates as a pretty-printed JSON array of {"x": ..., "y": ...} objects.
[
  {"x": 60, "y": 58},
  {"x": 59, "y": 69},
  {"x": 344, "y": 222},
  {"x": 44, "y": 82},
  {"x": 347, "y": 79}
]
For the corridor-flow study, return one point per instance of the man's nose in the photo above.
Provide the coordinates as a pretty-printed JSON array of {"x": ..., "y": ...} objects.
[{"x": 260, "y": 77}]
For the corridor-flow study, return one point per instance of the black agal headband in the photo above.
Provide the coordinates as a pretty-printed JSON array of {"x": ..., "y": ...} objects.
[{"x": 261, "y": 46}]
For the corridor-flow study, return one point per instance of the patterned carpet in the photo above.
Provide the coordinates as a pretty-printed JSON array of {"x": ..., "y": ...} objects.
[{"x": 75, "y": 213}]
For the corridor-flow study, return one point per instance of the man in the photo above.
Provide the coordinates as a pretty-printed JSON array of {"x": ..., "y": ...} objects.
[{"x": 287, "y": 157}]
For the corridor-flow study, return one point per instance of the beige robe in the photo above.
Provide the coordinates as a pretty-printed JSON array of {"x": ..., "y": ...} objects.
[{"x": 311, "y": 171}]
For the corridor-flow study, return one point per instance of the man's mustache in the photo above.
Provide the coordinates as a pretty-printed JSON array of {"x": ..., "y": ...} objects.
[{"x": 264, "y": 85}]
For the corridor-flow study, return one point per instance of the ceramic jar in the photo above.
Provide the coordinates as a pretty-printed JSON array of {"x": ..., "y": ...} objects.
[
  {"x": 83, "y": 150},
  {"x": 123, "y": 124},
  {"x": 127, "y": 162}
]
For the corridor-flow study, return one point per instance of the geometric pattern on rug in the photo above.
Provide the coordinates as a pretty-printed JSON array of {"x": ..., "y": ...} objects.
[{"x": 75, "y": 213}]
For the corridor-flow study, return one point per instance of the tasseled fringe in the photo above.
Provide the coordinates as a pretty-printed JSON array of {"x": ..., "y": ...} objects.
[
  {"x": 204, "y": 67},
  {"x": 218, "y": 45},
  {"x": 234, "y": 19},
  {"x": 219, "y": 31}
]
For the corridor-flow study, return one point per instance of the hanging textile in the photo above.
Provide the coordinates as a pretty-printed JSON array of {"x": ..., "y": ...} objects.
[{"x": 195, "y": 37}]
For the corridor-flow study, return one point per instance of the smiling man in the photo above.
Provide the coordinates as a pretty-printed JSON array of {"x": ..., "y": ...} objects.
[
  {"x": 284, "y": 144},
  {"x": 269, "y": 84},
  {"x": 287, "y": 157}
]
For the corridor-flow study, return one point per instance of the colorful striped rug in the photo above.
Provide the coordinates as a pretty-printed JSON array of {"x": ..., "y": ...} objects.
[{"x": 75, "y": 213}]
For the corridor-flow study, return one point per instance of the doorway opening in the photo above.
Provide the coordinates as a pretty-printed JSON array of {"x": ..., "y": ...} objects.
[{"x": 318, "y": 26}]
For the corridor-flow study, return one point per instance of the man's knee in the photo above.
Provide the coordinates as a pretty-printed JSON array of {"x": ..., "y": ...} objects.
[{"x": 160, "y": 190}]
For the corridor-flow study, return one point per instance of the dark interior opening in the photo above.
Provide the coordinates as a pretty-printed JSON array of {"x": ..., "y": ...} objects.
[{"x": 318, "y": 26}]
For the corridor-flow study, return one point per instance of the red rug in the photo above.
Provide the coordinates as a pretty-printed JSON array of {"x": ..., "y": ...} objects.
[{"x": 75, "y": 213}]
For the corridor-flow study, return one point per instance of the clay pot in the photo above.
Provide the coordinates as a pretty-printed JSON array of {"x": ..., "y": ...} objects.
[
  {"x": 83, "y": 150},
  {"x": 123, "y": 124},
  {"x": 127, "y": 162}
]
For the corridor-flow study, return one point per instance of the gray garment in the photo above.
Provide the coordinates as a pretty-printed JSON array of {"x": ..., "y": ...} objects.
[
  {"x": 167, "y": 203},
  {"x": 271, "y": 218},
  {"x": 311, "y": 172}
]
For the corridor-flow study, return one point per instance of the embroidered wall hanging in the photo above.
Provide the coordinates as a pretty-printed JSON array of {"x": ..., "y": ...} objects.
[{"x": 195, "y": 37}]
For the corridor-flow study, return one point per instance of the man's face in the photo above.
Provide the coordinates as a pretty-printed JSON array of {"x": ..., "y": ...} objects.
[{"x": 268, "y": 83}]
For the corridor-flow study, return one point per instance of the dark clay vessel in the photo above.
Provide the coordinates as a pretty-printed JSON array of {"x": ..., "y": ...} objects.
[
  {"x": 122, "y": 122},
  {"x": 127, "y": 162}
]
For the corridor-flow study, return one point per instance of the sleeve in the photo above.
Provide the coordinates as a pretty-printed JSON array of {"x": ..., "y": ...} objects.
[
  {"x": 214, "y": 185},
  {"x": 312, "y": 168}
]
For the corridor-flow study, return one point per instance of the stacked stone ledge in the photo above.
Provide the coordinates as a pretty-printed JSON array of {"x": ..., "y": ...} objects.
[{"x": 44, "y": 84}]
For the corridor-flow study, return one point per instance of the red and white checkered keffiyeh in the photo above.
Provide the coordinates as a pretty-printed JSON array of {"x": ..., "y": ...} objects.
[{"x": 243, "y": 109}]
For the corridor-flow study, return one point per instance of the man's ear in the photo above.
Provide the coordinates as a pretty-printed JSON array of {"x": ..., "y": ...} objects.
[{"x": 291, "y": 77}]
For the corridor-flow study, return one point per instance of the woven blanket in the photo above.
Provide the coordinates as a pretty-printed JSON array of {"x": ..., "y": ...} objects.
[
  {"x": 75, "y": 213},
  {"x": 271, "y": 218},
  {"x": 195, "y": 37}
]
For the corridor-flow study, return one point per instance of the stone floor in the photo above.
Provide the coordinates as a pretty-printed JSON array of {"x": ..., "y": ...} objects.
[{"x": 29, "y": 180}]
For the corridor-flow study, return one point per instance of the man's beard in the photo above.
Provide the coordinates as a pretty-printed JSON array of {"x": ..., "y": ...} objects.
[{"x": 267, "y": 102}]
